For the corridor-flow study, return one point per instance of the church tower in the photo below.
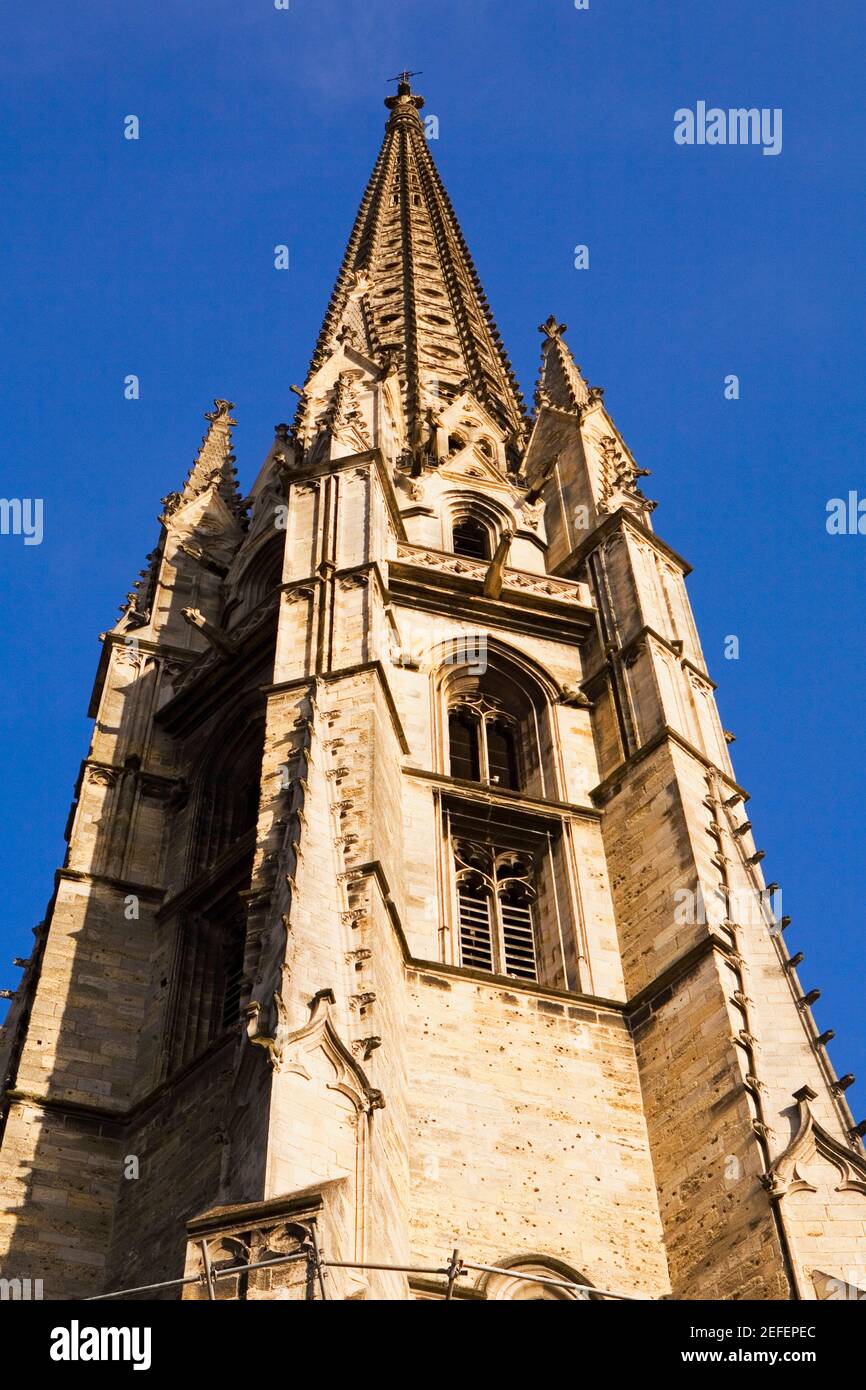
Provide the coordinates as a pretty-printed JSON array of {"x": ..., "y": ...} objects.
[{"x": 411, "y": 901}]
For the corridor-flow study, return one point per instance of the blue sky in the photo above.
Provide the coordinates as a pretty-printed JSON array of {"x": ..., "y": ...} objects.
[{"x": 260, "y": 127}]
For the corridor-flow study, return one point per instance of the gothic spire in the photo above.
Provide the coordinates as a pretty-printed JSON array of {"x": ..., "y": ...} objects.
[
  {"x": 213, "y": 464},
  {"x": 561, "y": 382},
  {"x": 215, "y": 460},
  {"x": 408, "y": 294}
]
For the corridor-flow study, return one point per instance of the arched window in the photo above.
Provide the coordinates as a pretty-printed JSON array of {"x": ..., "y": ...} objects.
[
  {"x": 482, "y": 741},
  {"x": 258, "y": 580},
  {"x": 505, "y": 728},
  {"x": 227, "y": 794},
  {"x": 207, "y": 975},
  {"x": 507, "y": 850},
  {"x": 471, "y": 538},
  {"x": 208, "y": 979},
  {"x": 264, "y": 572},
  {"x": 476, "y": 523},
  {"x": 495, "y": 896}
]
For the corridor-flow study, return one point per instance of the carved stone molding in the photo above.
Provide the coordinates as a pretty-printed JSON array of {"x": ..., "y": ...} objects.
[
  {"x": 568, "y": 590},
  {"x": 104, "y": 776},
  {"x": 321, "y": 1033},
  {"x": 793, "y": 1170}
]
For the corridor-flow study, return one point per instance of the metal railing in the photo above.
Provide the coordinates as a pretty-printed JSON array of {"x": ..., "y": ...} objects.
[{"x": 317, "y": 1266}]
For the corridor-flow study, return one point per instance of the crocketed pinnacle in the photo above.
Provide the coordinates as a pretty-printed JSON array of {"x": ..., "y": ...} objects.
[
  {"x": 561, "y": 382},
  {"x": 214, "y": 462}
]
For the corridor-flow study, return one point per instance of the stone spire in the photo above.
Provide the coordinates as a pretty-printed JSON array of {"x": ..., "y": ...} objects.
[
  {"x": 408, "y": 295},
  {"x": 560, "y": 382},
  {"x": 214, "y": 464}
]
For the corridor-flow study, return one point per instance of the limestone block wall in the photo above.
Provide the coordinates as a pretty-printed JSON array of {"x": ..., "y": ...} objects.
[
  {"x": 178, "y": 1138},
  {"x": 720, "y": 1234},
  {"x": 61, "y": 1155},
  {"x": 720, "y": 1230},
  {"x": 528, "y": 1133},
  {"x": 58, "y": 1179}
]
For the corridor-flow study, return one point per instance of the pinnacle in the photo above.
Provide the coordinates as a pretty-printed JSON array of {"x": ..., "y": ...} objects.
[
  {"x": 214, "y": 463},
  {"x": 561, "y": 382},
  {"x": 405, "y": 102}
]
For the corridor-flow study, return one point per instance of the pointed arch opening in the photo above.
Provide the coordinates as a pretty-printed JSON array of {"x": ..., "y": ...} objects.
[
  {"x": 536, "y": 1279},
  {"x": 207, "y": 980},
  {"x": 507, "y": 857},
  {"x": 470, "y": 537},
  {"x": 496, "y": 719},
  {"x": 260, "y": 578},
  {"x": 226, "y": 792},
  {"x": 473, "y": 525}
]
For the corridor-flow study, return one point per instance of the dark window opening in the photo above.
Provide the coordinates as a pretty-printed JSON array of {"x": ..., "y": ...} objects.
[
  {"x": 463, "y": 733},
  {"x": 471, "y": 539},
  {"x": 501, "y": 754},
  {"x": 482, "y": 745},
  {"x": 228, "y": 804},
  {"x": 208, "y": 981},
  {"x": 233, "y": 971}
]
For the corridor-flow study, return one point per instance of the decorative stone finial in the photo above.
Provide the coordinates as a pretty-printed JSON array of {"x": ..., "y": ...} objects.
[
  {"x": 222, "y": 412},
  {"x": 552, "y": 328}
]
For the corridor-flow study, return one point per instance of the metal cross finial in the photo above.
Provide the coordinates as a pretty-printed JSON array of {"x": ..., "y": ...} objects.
[{"x": 403, "y": 78}]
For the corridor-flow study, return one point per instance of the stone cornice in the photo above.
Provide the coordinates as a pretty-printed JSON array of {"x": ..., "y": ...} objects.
[
  {"x": 118, "y": 885},
  {"x": 609, "y": 786},
  {"x": 473, "y": 791},
  {"x": 518, "y": 609},
  {"x": 620, "y": 519}
]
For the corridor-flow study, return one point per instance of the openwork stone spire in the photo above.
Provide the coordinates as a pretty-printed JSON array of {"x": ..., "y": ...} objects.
[{"x": 408, "y": 295}]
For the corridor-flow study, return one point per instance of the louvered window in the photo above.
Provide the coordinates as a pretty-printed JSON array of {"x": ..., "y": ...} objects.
[
  {"x": 496, "y": 910},
  {"x": 518, "y": 937},
  {"x": 476, "y": 936}
]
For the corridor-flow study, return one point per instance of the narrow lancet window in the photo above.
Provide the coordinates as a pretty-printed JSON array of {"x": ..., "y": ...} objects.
[{"x": 464, "y": 743}]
